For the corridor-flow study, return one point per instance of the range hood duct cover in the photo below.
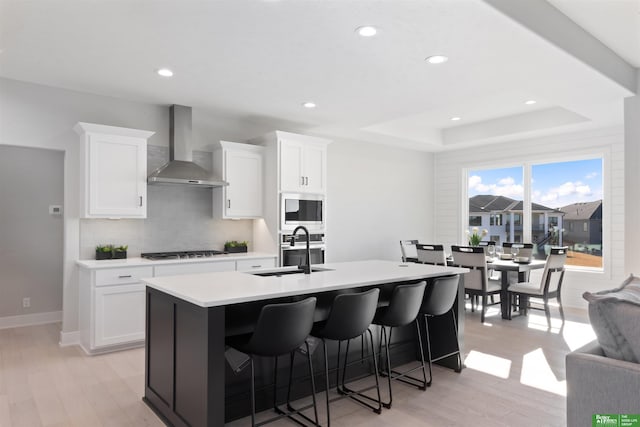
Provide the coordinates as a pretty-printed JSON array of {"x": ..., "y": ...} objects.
[{"x": 181, "y": 169}]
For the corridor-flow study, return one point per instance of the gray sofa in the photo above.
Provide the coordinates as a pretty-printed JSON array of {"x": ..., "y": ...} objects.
[{"x": 600, "y": 385}]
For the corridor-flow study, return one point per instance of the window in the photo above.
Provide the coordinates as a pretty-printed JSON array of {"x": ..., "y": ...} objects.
[
  {"x": 517, "y": 219},
  {"x": 475, "y": 221},
  {"x": 567, "y": 193},
  {"x": 561, "y": 193},
  {"x": 494, "y": 191}
]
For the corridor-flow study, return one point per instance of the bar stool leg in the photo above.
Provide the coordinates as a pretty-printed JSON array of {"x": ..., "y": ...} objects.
[
  {"x": 375, "y": 370},
  {"x": 313, "y": 384},
  {"x": 426, "y": 329},
  {"x": 383, "y": 333},
  {"x": 424, "y": 373},
  {"x": 326, "y": 379},
  {"x": 253, "y": 393},
  {"x": 356, "y": 395}
]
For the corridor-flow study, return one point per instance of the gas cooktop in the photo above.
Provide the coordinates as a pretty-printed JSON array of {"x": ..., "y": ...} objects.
[{"x": 180, "y": 254}]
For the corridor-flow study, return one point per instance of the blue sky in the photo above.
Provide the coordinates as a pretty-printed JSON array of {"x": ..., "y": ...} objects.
[{"x": 554, "y": 184}]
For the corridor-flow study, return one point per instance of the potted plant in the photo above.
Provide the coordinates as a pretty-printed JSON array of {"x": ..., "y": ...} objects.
[
  {"x": 104, "y": 252},
  {"x": 233, "y": 246},
  {"x": 120, "y": 252}
]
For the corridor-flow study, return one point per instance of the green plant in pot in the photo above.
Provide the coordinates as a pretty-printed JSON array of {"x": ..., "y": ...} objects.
[
  {"x": 233, "y": 246},
  {"x": 120, "y": 252},
  {"x": 104, "y": 251}
]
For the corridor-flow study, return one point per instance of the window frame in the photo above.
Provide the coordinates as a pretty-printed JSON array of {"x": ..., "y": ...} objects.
[{"x": 602, "y": 153}]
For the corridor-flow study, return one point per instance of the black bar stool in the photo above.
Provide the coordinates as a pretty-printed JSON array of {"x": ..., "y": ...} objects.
[
  {"x": 281, "y": 329},
  {"x": 402, "y": 310},
  {"x": 350, "y": 317},
  {"x": 438, "y": 300}
]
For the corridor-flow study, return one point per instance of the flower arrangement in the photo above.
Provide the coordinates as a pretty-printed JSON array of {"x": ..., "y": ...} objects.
[{"x": 475, "y": 235}]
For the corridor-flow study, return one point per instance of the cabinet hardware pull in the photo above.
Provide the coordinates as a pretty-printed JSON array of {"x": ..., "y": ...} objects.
[
  {"x": 306, "y": 180},
  {"x": 228, "y": 203},
  {"x": 256, "y": 266},
  {"x": 124, "y": 276},
  {"x": 140, "y": 201},
  {"x": 302, "y": 180}
]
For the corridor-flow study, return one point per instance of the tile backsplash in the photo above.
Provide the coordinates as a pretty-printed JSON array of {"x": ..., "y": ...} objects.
[{"x": 179, "y": 217}]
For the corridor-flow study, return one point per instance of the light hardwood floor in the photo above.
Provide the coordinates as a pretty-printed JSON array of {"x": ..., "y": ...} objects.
[{"x": 514, "y": 376}]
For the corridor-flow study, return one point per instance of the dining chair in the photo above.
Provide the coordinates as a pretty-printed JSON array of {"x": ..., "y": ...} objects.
[
  {"x": 525, "y": 250},
  {"x": 549, "y": 287},
  {"x": 431, "y": 254},
  {"x": 476, "y": 283},
  {"x": 408, "y": 250}
]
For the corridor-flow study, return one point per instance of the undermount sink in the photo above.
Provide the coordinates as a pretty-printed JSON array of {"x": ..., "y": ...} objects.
[{"x": 286, "y": 271}]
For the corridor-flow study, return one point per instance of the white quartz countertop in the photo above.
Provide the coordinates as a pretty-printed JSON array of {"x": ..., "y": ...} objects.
[
  {"x": 216, "y": 289},
  {"x": 138, "y": 262}
]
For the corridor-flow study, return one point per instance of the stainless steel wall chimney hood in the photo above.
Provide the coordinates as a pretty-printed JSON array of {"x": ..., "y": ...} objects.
[{"x": 181, "y": 169}]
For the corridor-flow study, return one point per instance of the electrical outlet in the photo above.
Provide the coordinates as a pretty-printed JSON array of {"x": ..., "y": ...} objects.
[{"x": 26, "y": 302}]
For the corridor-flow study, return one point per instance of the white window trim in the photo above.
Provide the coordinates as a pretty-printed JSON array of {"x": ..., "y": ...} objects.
[{"x": 568, "y": 156}]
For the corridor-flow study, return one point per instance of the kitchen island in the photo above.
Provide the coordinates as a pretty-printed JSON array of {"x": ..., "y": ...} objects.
[{"x": 187, "y": 322}]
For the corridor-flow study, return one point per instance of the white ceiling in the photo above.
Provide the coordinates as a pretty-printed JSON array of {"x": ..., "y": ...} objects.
[{"x": 257, "y": 61}]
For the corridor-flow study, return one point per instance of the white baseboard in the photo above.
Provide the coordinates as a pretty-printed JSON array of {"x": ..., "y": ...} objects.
[
  {"x": 69, "y": 338},
  {"x": 30, "y": 319}
]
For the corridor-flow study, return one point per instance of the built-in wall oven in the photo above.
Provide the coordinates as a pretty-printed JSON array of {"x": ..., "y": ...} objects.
[
  {"x": 302, "y": 209},
  {"x": 296, "y": 255}
]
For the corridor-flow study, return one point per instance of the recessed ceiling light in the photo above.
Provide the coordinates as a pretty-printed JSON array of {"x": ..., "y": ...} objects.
[
  {"x": 437, "y": 59},
  {"x": 165, "y": 72},
  {"x": 455, "y": 119},
  {"x": 367, "y": 31},
  {"x": 530, "y": 102},
  {"x": 309, "y": 105}
]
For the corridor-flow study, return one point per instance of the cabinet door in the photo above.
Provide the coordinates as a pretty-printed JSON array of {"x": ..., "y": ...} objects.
[
  {"x": 314, "y": 166},
  {"x": 119, "y": 314},
  {"x": 291, "y": 166},
  {"x": 244, "y": 192},
  {"x": 117, "y": 174}
]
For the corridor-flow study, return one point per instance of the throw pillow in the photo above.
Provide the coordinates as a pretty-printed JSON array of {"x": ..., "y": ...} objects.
[{"x": 615, "y": 317}]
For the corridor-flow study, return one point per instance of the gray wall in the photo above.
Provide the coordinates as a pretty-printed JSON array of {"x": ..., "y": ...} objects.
[
  {"x": 178, "y": 218},
  {"x": 31, "y": 240}
]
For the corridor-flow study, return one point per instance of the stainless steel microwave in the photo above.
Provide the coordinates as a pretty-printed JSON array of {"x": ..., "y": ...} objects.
[{"x": 302, "y": 209}]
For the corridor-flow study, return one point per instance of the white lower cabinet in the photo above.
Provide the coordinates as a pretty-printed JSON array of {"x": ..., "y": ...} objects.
[
  {"x": 112, "y": 307},
  {"x": 112, "y": 299},
  {"x": 119, "y": 314}
]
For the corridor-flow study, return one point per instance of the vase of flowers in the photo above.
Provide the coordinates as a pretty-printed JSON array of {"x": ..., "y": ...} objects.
[{"x": 475, "y": 236}]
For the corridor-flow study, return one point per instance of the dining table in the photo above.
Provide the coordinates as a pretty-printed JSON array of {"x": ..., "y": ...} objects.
[{"x": 506, "y": 265}]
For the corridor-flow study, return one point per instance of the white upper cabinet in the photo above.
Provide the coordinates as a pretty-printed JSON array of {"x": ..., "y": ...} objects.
[
  {"x": 241, "y": 166},
  {"x": 113, "y": 168},
  {"x": 303, "y": 165}
]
